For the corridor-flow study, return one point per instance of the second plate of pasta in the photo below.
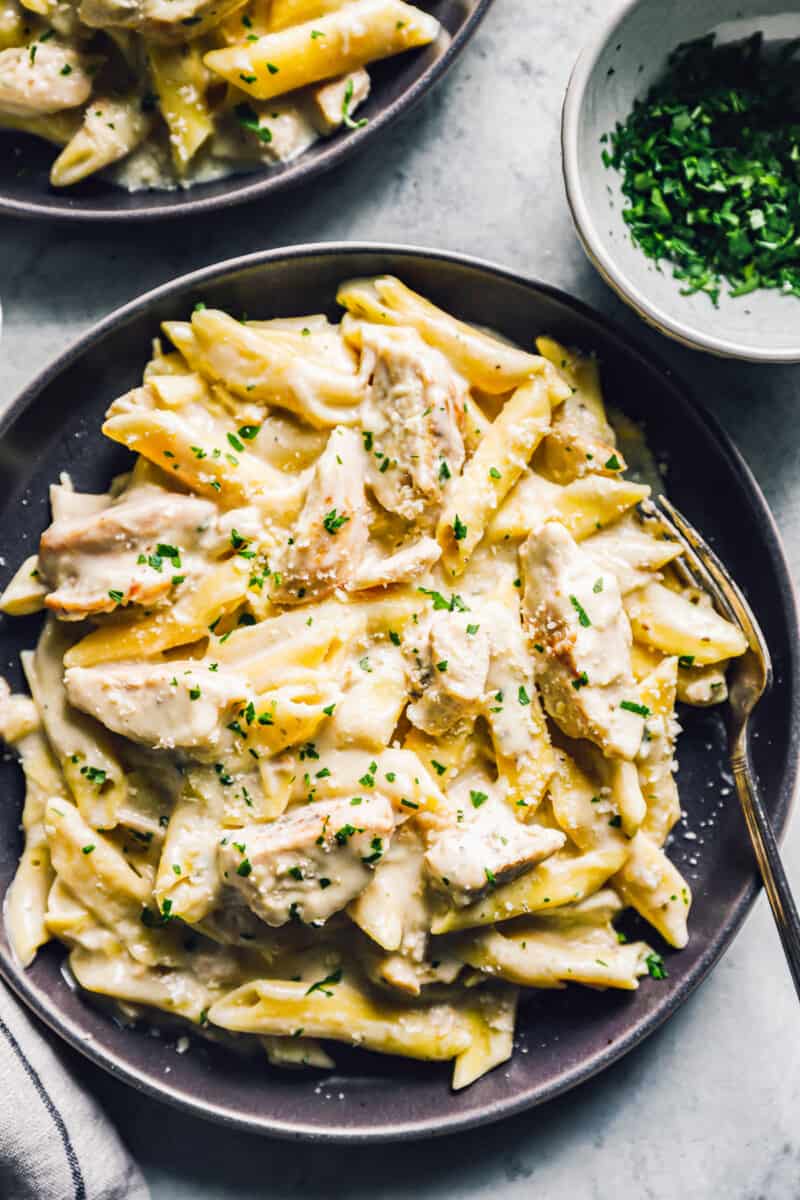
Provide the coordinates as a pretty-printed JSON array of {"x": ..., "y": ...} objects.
[
  {"x": 361, "y": 675},
  {"x": 157, "y": 109}
]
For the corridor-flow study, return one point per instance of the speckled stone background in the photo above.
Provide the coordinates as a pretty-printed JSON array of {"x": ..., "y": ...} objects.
[{"x": 708, "y": 1107}]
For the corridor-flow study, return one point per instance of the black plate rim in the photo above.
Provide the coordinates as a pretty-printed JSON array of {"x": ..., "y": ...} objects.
[
  {"x": 264, "y": 182},
  {"x": 587, "y": 1068}
]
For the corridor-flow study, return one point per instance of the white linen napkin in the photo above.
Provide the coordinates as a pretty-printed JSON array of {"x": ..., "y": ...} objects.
[{"x": 55, "y": 1143}]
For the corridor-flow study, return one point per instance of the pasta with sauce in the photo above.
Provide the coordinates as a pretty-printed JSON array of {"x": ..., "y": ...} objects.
[
  {"x": 365, "y": 673},
  {"x": 159, "y": 95}
]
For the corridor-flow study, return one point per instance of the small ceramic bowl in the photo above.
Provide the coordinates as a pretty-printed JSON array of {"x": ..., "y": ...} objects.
[{"x": 619, "y": 66}]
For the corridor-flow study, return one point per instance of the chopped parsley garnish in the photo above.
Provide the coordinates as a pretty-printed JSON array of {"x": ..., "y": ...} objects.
[
  {"x": 655, "y": 965},
  {"x": 597, "y": 586},
  {"x": 583, "y": 616},
  {"x": 234, "y": 441},
  {"x": 441, "y": 604},
  {"x": 94, "y": 775},
  {"x": 244, "y": 868},
  {"x": 364, "y": 664},
  {"x": 247, "y": 78},
  {"x": 490, "y": 877},
  {"x": 394, "y": 638},
  {"x": 368, "y": 440},
  {"x": 322, "y": 985},
  {"x": 409, "y": 803},
  {"x": 117, "y": 597},
  {"x": 66, "y": 69},
  {"x": 329, "y": 710},
  {"x": 444, "y": 471},
  {"x": 194, "y": 693},
  {"x": 581, "y": 681},
  {"x": 248, "y": 119},
  {"x": 615, "y": 821},
  {"x": 709, "y": 167},
  {"x": 459, "y": 529},
  {"x": 249, "y": 432},
  {"x": 442, "y": 666},
  {"x": 523, "y": 696},
  {"x": 273, "y": 70},
  {"x": 613, "y": 463},
  {"x": 296, "y": 873},
  {"x": 686, "y": 661},
  {"x": 494, "y": 473},
  {"x": 472, "y": 630},
  {"x": 377, "y": 852},
  {"x": 438, "y": 767},
  {"x": 324, "y": 883},
  {"x": 345, "y": 833},
  {"x": 478, "y": 798},
  {"x": 87, "y": 849},
  {"x": 333, "y": 522},
  {"x": 641, "y": 710},
  {"x": 346, "y": 102}
]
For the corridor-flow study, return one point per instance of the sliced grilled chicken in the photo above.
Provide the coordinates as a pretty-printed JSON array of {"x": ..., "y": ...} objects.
[
  {"x": 412, "y": 418},
  {"x": 483, "y": 845},
  {"x": 97, "y": 561},
  {"x": 43, "y": 78},
  {"x": 582, "y": 643},
  {"x": 165, "y": 705},
  {"x": 312, "y": 861},
  {"x": 448, "y": 659},
  {"x": 332, "y": 530},
  {"x": 161, "y": 20},
  {"x": 405, "y": 564}
]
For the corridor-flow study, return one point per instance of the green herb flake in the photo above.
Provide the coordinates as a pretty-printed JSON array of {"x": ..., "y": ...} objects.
[
  {"x": 655, "y": 966},
  {"x": 322, "y": 985},
  {"x": 478, "y": 798},
  {"x": 641, "y": 710},
  {"x": 583, "y": 616},
  {"x": 333, "y": 522},
  {"x": 347, "y": 100}
]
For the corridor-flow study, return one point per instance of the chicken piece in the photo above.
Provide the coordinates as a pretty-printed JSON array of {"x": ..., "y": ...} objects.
[
  {"x": 581, "y": 441},
  {"x": 165, "y": 705},
  {"x": 412, "y": 419},
  {"x": 161, "y": 20},
  {"x": 312, "y": 861},
  {"x": 332, "y": 530},
  {"x": 329, "y": 103},
  {"x": 482, "y": 845},
  {"x": 582, "y": 643},
  {"x": 123, "y": 554},
  {"x": 406, "y": 563},
  {"x": 271, "y": 131},
  {"x": 513, "y": 710},
  {"x": 42, "y": 78},
  {"x": 449, "y": 661}
]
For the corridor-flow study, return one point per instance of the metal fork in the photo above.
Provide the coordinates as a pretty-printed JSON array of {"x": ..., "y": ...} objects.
[{"x": 748, "y": 678}]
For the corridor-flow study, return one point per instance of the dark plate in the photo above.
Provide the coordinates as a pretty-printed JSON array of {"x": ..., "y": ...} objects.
[
  {"x": 397, "y": 84},
  {"x": 569, "y": 1035}
]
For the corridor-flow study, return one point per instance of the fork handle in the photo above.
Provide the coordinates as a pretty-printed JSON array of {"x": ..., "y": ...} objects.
[{"x": 776, "y": 884}]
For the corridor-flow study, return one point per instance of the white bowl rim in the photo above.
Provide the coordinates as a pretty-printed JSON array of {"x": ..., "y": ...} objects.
[{"x": 586, "y": 227}]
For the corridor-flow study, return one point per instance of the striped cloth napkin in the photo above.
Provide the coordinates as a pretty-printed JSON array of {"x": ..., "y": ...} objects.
[{"x": 55, "y": 1143}]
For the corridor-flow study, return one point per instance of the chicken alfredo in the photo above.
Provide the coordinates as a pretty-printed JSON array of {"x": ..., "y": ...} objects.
[
  {"x": 170, "y": 92},
  {"x": 353, "y": 709}
]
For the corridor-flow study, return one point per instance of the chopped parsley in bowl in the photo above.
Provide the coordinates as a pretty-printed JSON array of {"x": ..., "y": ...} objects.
[
  {"x": 711, "y": 166},
  {"x": 681, "y": 156}
]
